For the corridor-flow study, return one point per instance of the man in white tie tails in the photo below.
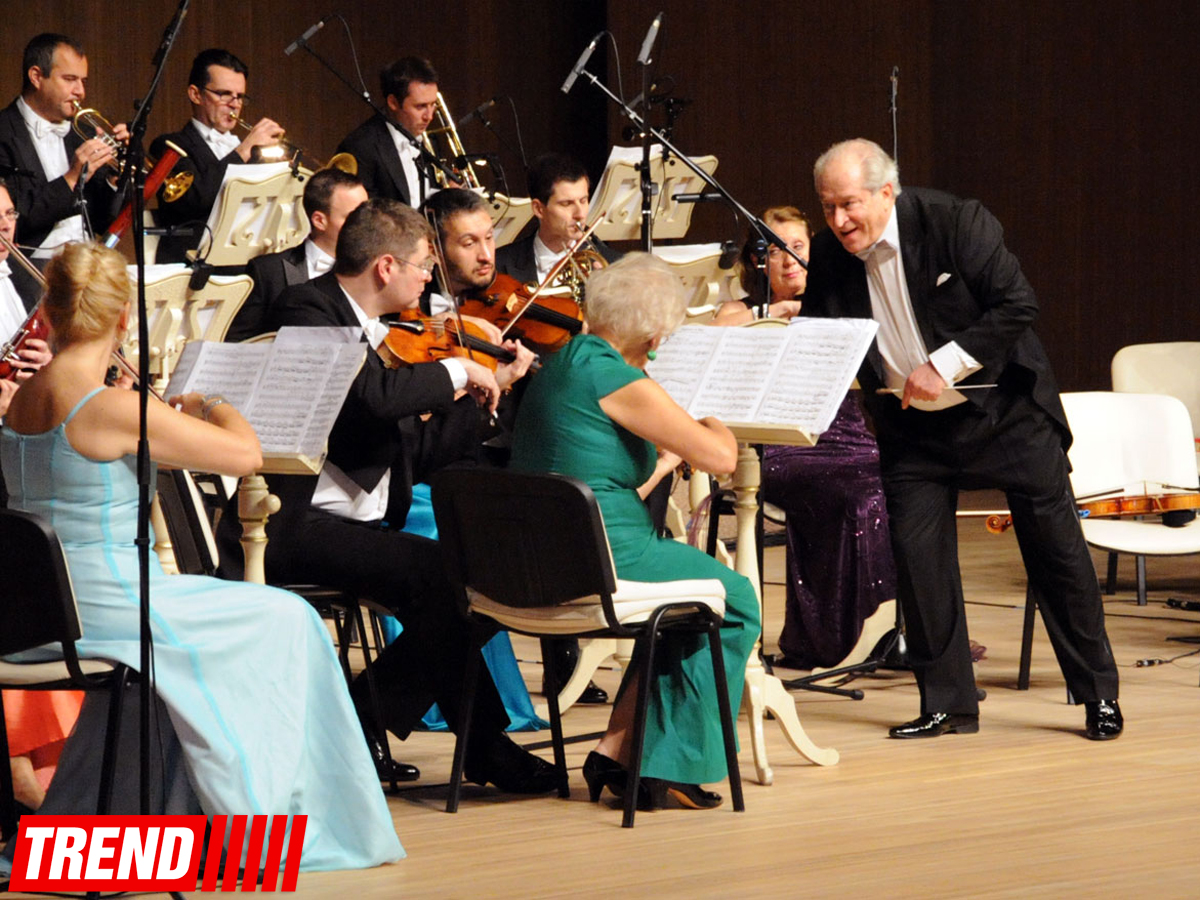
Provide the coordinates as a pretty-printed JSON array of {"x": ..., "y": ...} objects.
[
  {"x": 954, "y": 309},
  {"x": 329, "y": 196},
  {"x": 389, "y": 162},
  {"x": 217, "y": 92},
  {"x": 54, "y": 175}
]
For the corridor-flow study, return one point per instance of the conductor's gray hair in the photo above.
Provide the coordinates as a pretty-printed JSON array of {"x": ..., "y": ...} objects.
[{"x": 878, "y": 168}]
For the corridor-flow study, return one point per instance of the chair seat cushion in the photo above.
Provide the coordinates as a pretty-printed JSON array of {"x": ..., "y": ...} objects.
[
  {"x": 15, "y": 675},
  {"x": 633, "y": 601},
  {"x": 1142, "y": 538}
]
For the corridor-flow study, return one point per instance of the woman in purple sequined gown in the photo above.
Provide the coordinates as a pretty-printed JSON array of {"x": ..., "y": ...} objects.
[{"x": 839, "y": 555}]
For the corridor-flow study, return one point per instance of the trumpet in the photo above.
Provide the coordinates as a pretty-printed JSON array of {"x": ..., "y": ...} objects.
[
  {"x": 447, "y": 135},
  {"x": 286, "y": 151},
  {"x": 89, "y": 123}
]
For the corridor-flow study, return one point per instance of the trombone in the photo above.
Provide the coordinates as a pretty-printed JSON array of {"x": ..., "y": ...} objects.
[
  {"x": 447, "y": 134},
  {"x": 89, "y": 123}
]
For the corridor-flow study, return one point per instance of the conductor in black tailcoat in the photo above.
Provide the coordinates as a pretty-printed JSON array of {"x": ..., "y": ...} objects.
[
  {"x": 954, "y": 308},
  {"x": 339, "y": 529}
]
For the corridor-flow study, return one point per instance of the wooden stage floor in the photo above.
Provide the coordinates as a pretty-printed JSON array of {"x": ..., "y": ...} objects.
[{"x": 1025, "y": 808}]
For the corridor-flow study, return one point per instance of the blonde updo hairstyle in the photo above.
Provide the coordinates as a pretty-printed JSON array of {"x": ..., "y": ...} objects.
[
  {"x": 636, "y": 299},
  {"x": 87, "y": 287}
]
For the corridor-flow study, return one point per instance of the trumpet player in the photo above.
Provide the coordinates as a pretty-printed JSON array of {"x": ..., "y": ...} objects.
[
  {"x": 559, "y": 188},
  {"x": 217, "y": 92},
  {"x": 44, "y": 159}
]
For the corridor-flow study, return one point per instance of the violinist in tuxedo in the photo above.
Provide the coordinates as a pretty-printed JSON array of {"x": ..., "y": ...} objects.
[
  {"x": 560, "y": 198},
  {"x": 19, "y": 294},
  {"x": 954, "y": 308},
  {"x": 217, "y": 93},
  {"x": 386, "y": 147},
  {"x": 340, "y": 528},
  {"x": 50, "y": 167},
  {"x": 329, "y": 196}
]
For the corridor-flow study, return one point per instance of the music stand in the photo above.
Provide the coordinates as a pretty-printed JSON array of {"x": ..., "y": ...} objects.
[
  {"x": 619, "y": 194},
  {"x": 706, "y": 284},
  {"x": 258, "y": 211},
  {"x": 510, "y": 215}
]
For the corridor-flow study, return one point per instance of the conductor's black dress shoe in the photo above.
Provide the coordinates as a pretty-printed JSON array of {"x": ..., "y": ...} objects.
[
  {"x": 1104, "y": 720},
  {"x": 930, "y": 725}
]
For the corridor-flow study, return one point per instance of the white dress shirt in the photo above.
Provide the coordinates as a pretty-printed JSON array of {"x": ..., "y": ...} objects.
[
  {"x": 49, "y": 140},
  {"x": 418, "y": 185},
  {"x": 220, "y": 143},
  {"x": 544, "y": 258},
  {"x": 336, "y": 492},
  {"x": 900, "y": 343},
  {"x": 316, "y": 261},
  {"x": 12, "y": 310}
]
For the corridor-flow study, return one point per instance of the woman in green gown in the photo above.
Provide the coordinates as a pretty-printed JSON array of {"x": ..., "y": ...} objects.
[{"x": 593, "y": 414}]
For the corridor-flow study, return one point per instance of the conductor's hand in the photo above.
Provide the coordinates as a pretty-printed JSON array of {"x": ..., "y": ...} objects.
[
  {"x": 507, "y": 373},
  {"x": 923, "y": 384},
  {"x": 481, "y": 384}
]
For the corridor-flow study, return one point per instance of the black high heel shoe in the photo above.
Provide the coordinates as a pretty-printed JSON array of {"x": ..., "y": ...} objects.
[{"x": 600, "y": 772}]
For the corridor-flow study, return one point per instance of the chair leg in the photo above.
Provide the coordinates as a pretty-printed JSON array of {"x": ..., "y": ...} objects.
[
  {"x": 550, "y": 676},
  {"x": 1027, "y": 639},
  {"x": 643, "y": 664},
  {"x": 1141, "y": 579},
  {"x": 8, "y": 801},
  {"x": 1110, "y": 585},
  {"x": 112, "y": 739},
  {"x": 466, "y": 707},
  {"x": 372, "y": 691},
  {"x": 727, "y": 726}
]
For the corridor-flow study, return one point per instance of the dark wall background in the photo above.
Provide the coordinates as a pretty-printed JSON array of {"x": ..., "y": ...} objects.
[{"x": 1071, "y": 122}]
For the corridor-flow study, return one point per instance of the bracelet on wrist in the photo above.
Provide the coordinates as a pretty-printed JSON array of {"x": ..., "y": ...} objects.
[{"x": 211, "y": 403}]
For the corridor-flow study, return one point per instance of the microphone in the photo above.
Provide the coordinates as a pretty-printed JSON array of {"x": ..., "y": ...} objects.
[
  {"x": 580, "y": 63},
  {"x": 477, "y": 112},
  {"x": 706, "y": 197},
  {"x": 303, "y": 39},
  {"x": 729, "y": 255},
  {"x": 648, "y": 43}
]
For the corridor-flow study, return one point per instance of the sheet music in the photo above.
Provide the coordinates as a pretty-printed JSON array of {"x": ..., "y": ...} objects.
[
  {"x": 340, "y": 374},
  {"x": 795, "y": 376},
  {"x": 231, "y": 370}
]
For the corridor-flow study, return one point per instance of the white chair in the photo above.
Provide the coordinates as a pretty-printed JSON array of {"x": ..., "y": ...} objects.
[
  {"x": 1130, "y": 445},
  {"x": 1171, "y": 368}
]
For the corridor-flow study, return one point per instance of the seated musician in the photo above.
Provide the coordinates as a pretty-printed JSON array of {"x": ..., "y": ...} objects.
[
  {"x": 464, "y": 227},
  {"x": 593, "y": 414},
  {"x": 341, "y": 529},
  {"x": 48, "y": 158},
  {"x": 256, "y": 701},
  {"x": 839, "y": 553},
  {"x": 329, "y": 196},
  {"x": 389, "y": 162},
  {"x": 19, "y": 293},
  {"x": 217, "y": 93},
  {"x": 559, "y": 190}
]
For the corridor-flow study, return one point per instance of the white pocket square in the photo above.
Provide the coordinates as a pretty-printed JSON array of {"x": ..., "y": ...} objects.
[{"x": 943, "y": 278}]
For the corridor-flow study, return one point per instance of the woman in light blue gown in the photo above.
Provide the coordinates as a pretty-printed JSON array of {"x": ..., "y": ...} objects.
[{"x": 247, "y": 673}]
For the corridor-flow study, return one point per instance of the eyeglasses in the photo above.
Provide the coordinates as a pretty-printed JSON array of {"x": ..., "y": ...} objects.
[
  {"x": 12, "y": 215},
  {"x": 229, "y": 96},
  {"x": 427, "y": 266},
  {"x": 798, "y": 248}
]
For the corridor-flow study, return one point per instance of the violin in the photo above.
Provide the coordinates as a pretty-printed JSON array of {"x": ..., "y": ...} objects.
[
  {"x": 1115, "y": 507},
  {"x": 546, "y": 323},
  {"x": 418, "y": 339},
  {"x": 33, "y": 328}
]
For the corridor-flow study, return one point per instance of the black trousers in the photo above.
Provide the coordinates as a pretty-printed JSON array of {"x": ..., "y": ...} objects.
[
  {"x": 403, "y": 572},
  {"x": 927, "y": 457}
]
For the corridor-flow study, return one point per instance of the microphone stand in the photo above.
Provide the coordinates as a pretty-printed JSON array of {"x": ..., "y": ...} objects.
[
  {"x": 765, "y": 231},
  {"x": 135, "y": 156},
  {"x": 647, "y": 183}
]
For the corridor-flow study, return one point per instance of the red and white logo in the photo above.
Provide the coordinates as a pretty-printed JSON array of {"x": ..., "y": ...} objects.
[{"x": 152, "y": 853}]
